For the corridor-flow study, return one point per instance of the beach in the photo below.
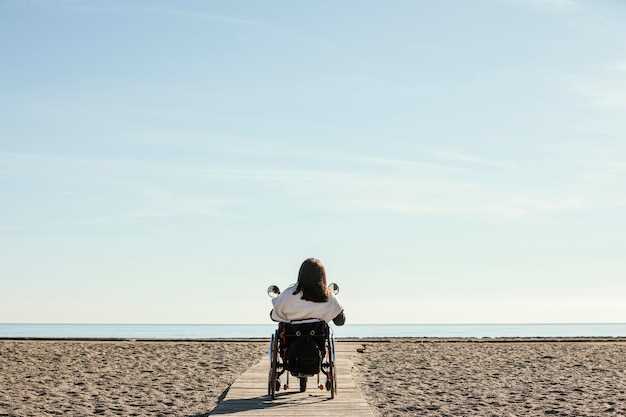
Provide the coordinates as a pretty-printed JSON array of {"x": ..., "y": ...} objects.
[
  {"x": 397, "y": 378},
  {"x": 119, "y": 378},
  {"x": 494, "y": 379}
]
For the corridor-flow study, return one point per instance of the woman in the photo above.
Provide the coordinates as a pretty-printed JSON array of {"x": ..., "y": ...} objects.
[{"x": 309, "y": 299}]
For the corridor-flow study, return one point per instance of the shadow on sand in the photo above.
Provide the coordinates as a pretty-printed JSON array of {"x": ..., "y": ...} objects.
[{"x": 254, "y": 403}]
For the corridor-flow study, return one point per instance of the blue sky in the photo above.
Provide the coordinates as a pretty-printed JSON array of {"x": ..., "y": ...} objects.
[{"x": 448, "y": 161}]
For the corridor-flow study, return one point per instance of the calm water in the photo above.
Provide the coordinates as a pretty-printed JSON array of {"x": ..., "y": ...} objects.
[{"x": 200, "y": 331}]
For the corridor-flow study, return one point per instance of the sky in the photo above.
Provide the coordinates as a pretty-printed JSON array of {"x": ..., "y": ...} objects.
[{"x": 449, "y": 162}]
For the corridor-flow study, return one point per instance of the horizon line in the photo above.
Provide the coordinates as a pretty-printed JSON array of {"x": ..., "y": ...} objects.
[{"x": 347, "y": 324}]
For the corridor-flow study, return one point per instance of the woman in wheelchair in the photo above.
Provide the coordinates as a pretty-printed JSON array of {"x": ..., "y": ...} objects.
[{"x": 303, "y": 339}]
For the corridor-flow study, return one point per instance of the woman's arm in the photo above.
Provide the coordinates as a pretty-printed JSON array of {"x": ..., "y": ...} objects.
[
  {"x": 340, "y": 319},
  {"x": 275, "y": 317}
]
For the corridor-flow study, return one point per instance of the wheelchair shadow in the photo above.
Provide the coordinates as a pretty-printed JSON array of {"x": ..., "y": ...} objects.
[{"x": 261, "y": 403}]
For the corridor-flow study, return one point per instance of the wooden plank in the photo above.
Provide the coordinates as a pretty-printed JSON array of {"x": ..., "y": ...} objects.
[{"x": 248, "y": 395}]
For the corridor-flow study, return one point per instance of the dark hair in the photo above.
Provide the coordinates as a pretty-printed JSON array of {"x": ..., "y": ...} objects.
[{"x": 312, "y": 281}]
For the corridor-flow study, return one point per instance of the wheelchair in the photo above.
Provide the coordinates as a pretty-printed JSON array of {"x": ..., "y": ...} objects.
[{"x": 303, "y": 349}]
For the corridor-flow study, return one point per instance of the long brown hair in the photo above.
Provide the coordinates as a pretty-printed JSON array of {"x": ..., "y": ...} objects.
[{"x": 312, "y": 281}]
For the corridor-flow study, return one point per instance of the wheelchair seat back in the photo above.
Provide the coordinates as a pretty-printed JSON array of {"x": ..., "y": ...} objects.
[{"x": 304, "y": 347}]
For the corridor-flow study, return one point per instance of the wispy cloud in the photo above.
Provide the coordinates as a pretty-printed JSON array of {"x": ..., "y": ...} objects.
[
  {"x": 107, "y": 191},
  {"x": 606, "y": 88},
  {"x": 471, "y": 159},
  {"x": 441, "y": 158},
  {"x": 559, "y": 6},
  {"x": 618, "y": 66},
  {"x": 126, "y": 7}
]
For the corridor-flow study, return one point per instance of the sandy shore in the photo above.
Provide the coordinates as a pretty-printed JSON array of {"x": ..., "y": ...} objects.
[
  {"x": 118, "y": 378},
  {"x": 494, "y": 379},
  {"x": 397, "y": 378}
]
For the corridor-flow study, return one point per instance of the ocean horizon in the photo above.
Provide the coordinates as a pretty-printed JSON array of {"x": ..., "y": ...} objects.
[{"x": 228, "y": 331}]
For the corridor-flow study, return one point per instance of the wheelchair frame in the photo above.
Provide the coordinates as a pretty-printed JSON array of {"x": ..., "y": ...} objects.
[{"x": 277, "y": 367}]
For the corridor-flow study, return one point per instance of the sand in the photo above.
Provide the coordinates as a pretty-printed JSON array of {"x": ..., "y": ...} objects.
[
  {"x": 397, "y": 378},
  {"x": 494, "y": 379},
  {"x": 119, "y": 378}
]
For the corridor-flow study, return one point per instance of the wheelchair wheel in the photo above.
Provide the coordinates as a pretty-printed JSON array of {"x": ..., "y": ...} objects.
[
  {"x": 331, "y": 383},
  {"x": 272, "y": 380},
  {"x": 303, "y": 382}
]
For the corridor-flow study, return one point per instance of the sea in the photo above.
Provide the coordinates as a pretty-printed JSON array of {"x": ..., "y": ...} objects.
[{"x": 236, "y": 331}]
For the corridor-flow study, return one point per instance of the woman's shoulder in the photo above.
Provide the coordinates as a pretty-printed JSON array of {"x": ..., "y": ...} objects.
[
  {"x": 332, "y": 299},
  {"x": 284, "y": 295}
]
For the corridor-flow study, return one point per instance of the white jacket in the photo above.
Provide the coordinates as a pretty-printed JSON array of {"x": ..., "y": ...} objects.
[{"x": 291, "y": 307}]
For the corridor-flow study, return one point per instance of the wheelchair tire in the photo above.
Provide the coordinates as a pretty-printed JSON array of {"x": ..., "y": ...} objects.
[
  {"x": 332, "y": 373},
  {"x": 303, "y": 382},
  {"x": 272, "y": 381}
]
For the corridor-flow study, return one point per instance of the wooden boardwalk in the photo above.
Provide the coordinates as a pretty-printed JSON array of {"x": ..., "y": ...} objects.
[{"x": 248, "y": 395}]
